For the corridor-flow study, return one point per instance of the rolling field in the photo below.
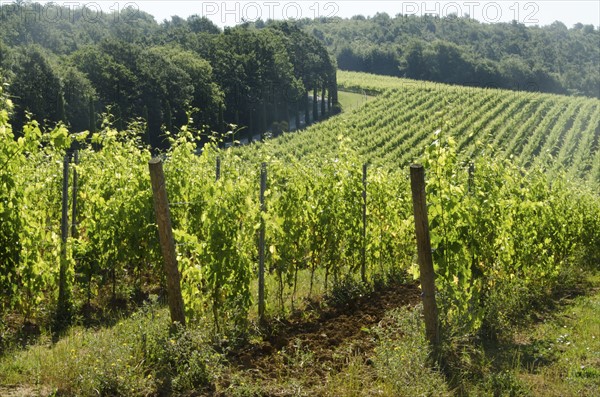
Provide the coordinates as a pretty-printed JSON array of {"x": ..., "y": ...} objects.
[
  {"x": 556, "y": 132},
  {"x": 350, "y": 100}
]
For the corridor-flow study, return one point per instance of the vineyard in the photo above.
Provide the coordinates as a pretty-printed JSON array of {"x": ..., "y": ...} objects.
[
  {"x": 510, "y": 213},
  {"x": 558, "y": 133}
]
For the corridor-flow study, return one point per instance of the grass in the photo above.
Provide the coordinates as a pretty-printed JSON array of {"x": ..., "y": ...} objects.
[
  {"x": 564, "y": 351},
  {"x": 85, "y": 360},
  {"x": 291, "y": 301},
  {"x": 402, "y": 356},
  {"x": 351, "y": 100},
  {"x": 556, "y": 355},
  {"x": 138, "y": 356}
]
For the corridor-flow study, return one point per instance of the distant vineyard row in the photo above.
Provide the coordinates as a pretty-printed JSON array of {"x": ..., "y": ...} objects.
[{"x": 557, "y": 132}]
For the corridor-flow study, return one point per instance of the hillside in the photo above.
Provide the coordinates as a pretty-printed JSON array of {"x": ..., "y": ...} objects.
[{"x": 554, "y": 131}]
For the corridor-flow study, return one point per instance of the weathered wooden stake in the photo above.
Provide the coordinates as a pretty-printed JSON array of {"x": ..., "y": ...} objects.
[
  {"x": 218, "y": 171},
  {"x": 167, "y": 242},
  {"x": 417, "y": 182},
  {"x": 261, "y": 245},
  {"x": 471, "y": 177},
  {"x": 62, "y": 311},
  {"x": 363, "y": 268},
  {"x": 64, "y": 223},
  {"x": 74, "y": 195}
]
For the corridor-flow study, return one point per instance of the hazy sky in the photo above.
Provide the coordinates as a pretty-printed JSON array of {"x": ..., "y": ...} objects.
[
  {"x": 227, "y": 13},
  {"x": 232, "y": 12}
]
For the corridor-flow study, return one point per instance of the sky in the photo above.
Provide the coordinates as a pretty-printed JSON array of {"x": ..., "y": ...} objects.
[{"x": 228, "y": 13}]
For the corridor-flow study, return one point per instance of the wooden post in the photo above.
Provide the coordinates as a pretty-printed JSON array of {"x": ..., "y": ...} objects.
[
  {"x": 218, "y": 171},
  {"x": 167, "y": 242},
  {"x": 62, "y": 311},
  {"x": 417, "y": 182},
  {"x": 64, "y": 223},
  {"x": 261, "y": 245},
  {"x": 74, "y": 195},
  {"x": 363, "y": 268},
  {"x": 471, "y": 177}
]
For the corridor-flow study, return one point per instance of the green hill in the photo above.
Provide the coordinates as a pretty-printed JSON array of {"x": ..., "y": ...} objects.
[{"x": 557, "y": 132}]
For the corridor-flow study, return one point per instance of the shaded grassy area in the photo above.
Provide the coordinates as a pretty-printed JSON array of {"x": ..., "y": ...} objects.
[
  {"x": 556, "y": 355},
  {"x": 560, "y": 356},
  {"x": 351, "y": 100}
]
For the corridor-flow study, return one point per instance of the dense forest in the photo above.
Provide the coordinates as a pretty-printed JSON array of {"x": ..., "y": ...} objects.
[
  {"x": 461, "y": 50},
  {"x": 76, "y": 64}
]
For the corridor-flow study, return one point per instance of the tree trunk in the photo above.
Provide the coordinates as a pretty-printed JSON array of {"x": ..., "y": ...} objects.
[{"x": 315, "y": 104}]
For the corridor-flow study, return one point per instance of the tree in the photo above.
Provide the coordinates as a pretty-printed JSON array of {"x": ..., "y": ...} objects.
[
  {"x": 414, "y": 62},
  {"x": 311, "y": 63},
  {"x": 207, "y": 97},
  {"x": 110, "y": 68},
  {"x": 78, "y": 91},
  {"x": 35, "y": 87},
  {"x": 202, "y": 24}
]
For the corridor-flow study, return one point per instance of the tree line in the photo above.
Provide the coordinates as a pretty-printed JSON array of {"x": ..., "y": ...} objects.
[
  {"x": 73, "y": 69},
  {"x": 461, "y": 50}
]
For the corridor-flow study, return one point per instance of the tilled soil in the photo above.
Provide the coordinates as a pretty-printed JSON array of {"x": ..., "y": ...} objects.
[{"x": 318, "y": 341}]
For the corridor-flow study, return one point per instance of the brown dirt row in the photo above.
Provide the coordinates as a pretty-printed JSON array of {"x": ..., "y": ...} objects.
[{"x": 327, "y": 337}]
